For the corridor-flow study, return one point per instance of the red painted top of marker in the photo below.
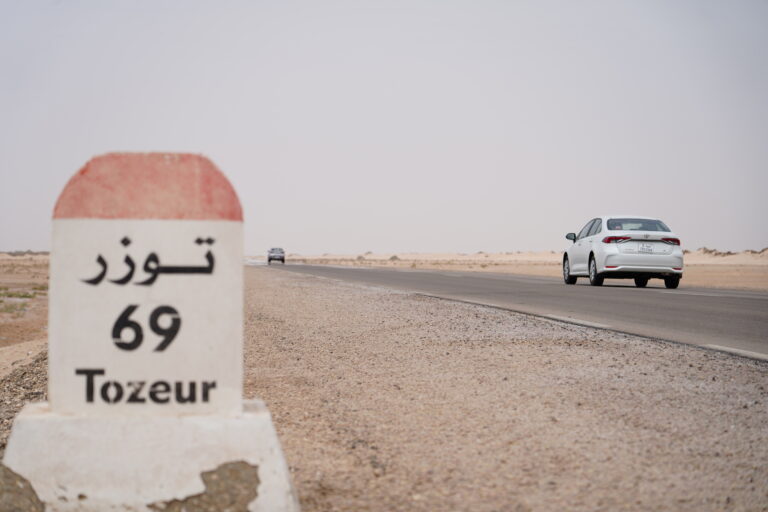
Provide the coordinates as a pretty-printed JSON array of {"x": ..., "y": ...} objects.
[{"x": 149, "y": 186}]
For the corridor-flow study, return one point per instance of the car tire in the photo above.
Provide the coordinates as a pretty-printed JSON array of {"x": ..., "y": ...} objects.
[
  {"x": 595, "y": 279},
  {"x": 567, "y": 277},
  {"x": 671, "y": 282},
  {"x": 641, "y": 282}
]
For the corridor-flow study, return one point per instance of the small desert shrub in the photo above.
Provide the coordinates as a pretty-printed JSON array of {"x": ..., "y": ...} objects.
[
  {"x": 394, "y": 258},
  {"x": 13, "y": 307},
  {"x": 360, "y": 258},
  {"x": 715, "y": 252},
  {"x": 17, "y": 295}
]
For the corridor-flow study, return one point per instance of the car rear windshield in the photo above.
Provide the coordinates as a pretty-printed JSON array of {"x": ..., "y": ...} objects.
[{"x": 636, "y": 225}]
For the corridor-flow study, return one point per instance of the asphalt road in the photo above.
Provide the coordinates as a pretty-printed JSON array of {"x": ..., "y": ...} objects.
[{"x": 731, "y": 320}]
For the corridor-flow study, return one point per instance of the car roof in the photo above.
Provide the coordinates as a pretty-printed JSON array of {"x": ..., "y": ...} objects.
[{"x": 628, "y": 217}]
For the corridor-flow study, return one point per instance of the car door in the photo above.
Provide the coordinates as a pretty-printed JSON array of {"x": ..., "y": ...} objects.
[
  {"x": 591, "y": 239},
  {"x": 580, "y": 250}
]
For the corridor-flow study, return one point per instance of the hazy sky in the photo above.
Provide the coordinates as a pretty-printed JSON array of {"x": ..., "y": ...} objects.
[{"x": 402, "y": 126}]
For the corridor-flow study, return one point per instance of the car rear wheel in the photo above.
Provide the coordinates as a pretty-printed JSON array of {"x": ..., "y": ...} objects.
[
  {"x": 671, "y": 282},
  {"x": 567, "y": 277},
  {"x": 641, "y": 282},
  {"x": 594, "y": 278}
]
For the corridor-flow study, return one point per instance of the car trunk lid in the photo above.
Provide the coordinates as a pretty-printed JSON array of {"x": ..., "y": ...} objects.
[{"x": 646, "y": 242}]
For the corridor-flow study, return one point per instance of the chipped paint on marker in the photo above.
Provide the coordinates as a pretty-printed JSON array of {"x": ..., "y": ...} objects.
[{"x": 228, "y": 488}]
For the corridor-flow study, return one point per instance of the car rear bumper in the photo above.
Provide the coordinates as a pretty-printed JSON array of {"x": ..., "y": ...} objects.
[
  {"x": 631, "y": 272},
  {"x": 644, "y": 261}
]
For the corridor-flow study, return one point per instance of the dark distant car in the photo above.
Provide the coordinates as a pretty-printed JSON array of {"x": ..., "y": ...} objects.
[{"x": 276, "y": 254}]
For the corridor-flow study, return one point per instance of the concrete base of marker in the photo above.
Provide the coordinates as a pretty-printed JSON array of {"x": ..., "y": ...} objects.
[{"x": 129, "y": 463}]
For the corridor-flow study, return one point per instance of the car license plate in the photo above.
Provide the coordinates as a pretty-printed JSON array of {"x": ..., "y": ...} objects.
[{"x": 645, "y": 248}]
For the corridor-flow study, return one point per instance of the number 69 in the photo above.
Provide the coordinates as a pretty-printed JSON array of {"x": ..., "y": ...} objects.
[{"x": 124, "y": 322}]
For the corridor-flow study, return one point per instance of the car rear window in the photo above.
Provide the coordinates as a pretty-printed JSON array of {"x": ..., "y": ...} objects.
[{"x": 636, "y": 225}]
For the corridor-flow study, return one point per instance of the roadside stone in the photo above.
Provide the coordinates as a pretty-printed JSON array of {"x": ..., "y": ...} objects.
[{"x": 16, "y": 493}]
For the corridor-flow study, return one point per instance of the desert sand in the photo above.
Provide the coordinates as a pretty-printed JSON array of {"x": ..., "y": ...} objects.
[{"x": 23, "y": 308}]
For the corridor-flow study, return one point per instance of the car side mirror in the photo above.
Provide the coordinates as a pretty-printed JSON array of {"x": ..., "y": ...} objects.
[{"x": 571, "y": 237}]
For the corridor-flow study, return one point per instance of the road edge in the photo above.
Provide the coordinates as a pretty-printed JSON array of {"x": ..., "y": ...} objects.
[{"x": 745, "y": 354}]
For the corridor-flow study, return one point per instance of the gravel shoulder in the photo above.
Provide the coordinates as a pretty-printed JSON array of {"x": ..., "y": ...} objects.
[{"x": 390, "y": 401}]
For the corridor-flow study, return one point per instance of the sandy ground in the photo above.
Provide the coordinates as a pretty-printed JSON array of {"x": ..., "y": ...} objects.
[
  {"x": 23, "y": 306},
  {"x": 705, "y": 267},
  {"x": 18, "y": 354},
  {"x": 23, "y": 335},
  {"x": 389, "y": 401}
]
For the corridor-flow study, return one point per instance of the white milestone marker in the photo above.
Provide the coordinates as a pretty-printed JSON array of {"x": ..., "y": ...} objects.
[
  {"x": 156, "y": 327},
  {"x": 145, "y": 347}
]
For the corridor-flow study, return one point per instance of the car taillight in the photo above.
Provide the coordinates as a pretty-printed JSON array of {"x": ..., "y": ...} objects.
[
  {"x": 672, "y": 241},
  {"x": 616, "y": 239}
]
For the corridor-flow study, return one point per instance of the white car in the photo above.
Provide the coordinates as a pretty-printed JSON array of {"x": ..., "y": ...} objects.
[{"x": 624, "y": 247}]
